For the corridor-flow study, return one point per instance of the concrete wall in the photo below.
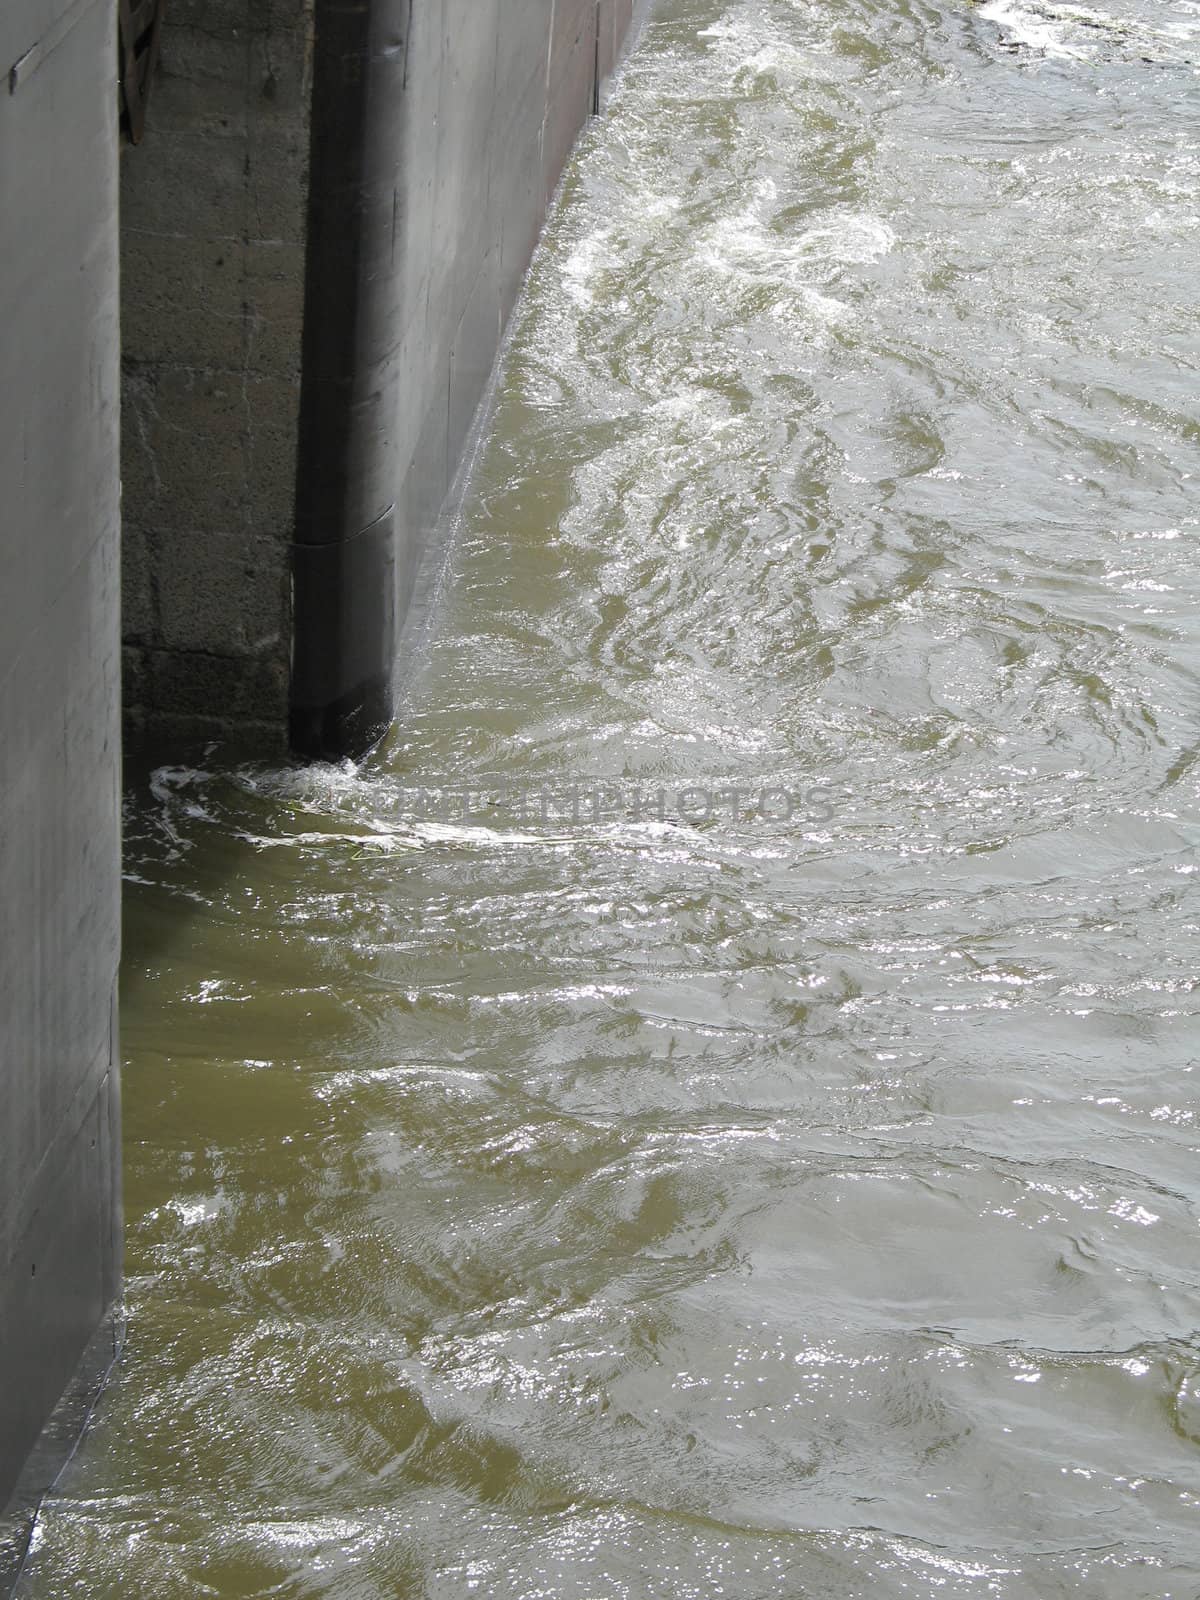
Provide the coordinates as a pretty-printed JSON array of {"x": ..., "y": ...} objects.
[
  {"x": 213, "y": 207},
  {"x": 59, "y": 738},
  {"x": 440, "y": 131},
  {"x": 498, "y": 92},
  {"x": 469, "y": 109}
]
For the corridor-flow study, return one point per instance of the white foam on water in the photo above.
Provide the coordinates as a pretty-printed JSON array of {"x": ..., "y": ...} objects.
[
  {"x": 592, "y": 255},
  {"x": 1084, "y": 33},
  {"x": 746, "y": 245},
  {"x": 855, "y": 239},
  {"x": 1032, "y": 26}
]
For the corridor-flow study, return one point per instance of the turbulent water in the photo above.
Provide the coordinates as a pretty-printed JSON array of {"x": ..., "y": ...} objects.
[{"x": 710, "y": 1109}]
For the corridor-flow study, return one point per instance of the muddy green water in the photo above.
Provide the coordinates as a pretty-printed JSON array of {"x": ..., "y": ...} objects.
[{"x": 789, "y": 1196}]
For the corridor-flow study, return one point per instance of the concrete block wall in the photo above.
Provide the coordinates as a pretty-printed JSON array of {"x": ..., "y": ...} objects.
[
  {"x": 213, "y": 209},
  {"x": 476, "y": 128},
  {"x": 59, "y": 706}
]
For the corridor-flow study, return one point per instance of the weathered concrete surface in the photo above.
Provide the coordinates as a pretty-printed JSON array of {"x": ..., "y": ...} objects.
[
  {"x": 59, "y": 737},
  {"x": 469, "y": 109},
  {"x": 212, "y": 255}
]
